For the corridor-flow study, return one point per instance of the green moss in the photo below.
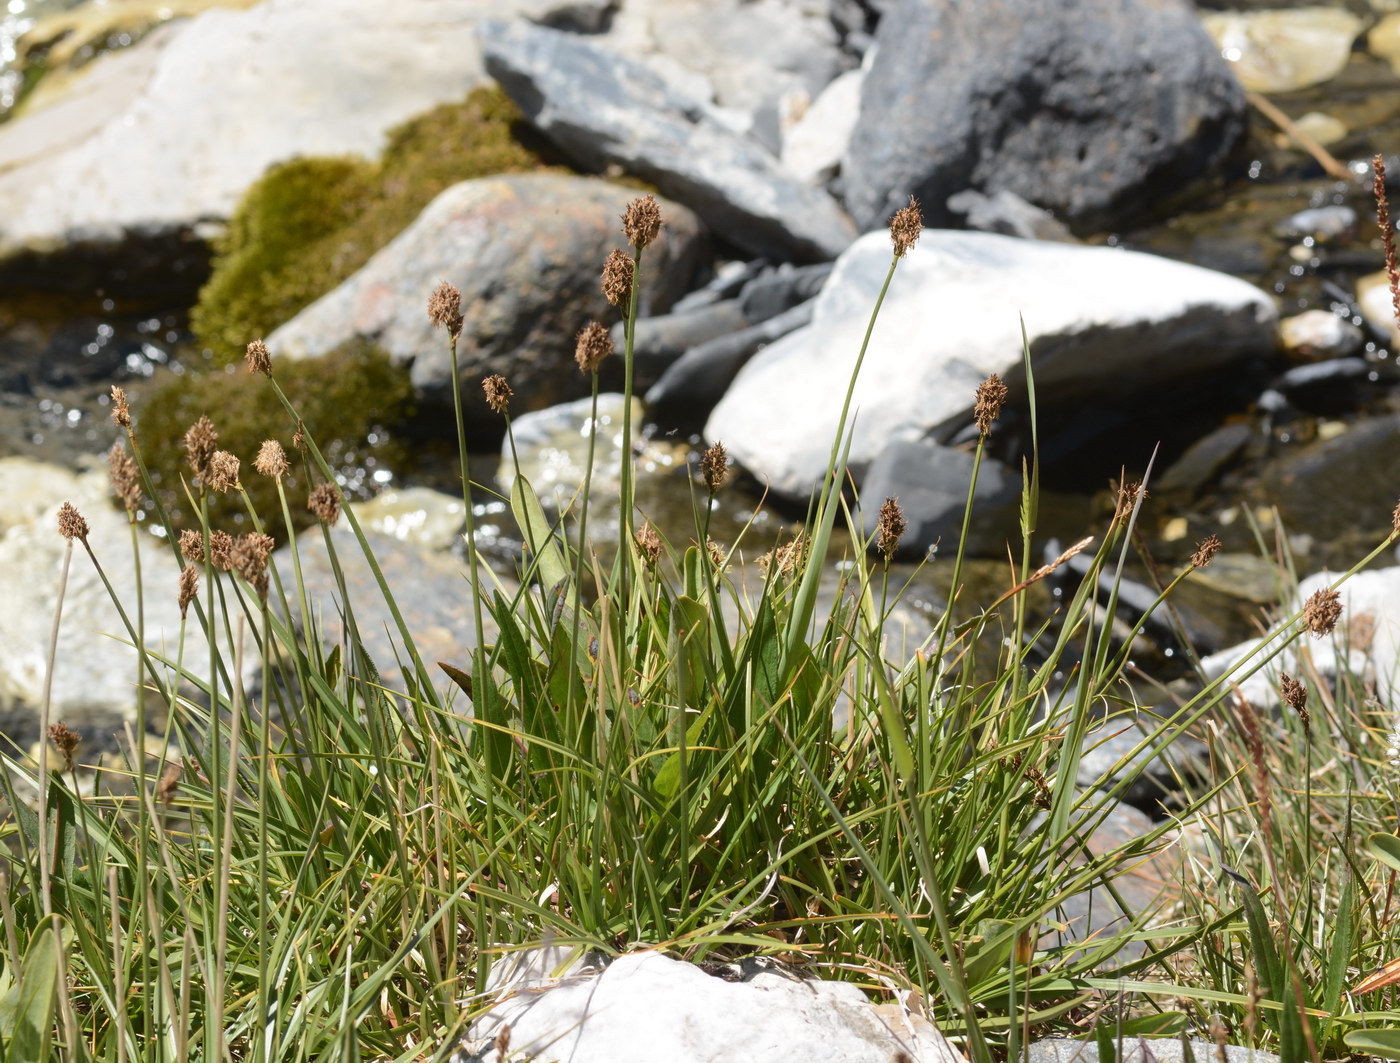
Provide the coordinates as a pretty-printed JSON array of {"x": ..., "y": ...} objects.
[
  {"x": 343, "y": 398},
  {"x": 310, "y": 223}
]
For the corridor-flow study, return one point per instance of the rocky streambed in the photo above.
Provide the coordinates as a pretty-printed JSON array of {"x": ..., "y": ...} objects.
[{"x": 1173, "y": 203}]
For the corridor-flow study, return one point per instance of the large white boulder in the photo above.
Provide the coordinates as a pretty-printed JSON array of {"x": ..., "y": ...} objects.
[
  {"x": 170, "y": 132},
  {"x": 645, "y": 1007},
  {"x": 1101, "y": 322}
]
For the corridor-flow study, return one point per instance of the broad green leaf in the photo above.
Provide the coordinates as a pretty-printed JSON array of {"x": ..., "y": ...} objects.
[
  {"x": 1386, "y": 849},
  {"x": 1375, "y": 1041},
  {"x": 539, "y": 536},
  {"x": 26, "y": 1011}
]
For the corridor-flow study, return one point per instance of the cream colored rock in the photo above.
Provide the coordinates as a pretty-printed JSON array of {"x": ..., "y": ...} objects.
[
  {"x": 417, "y": 515},
  {"x": 1384, "y": 40},
  {"x": 645, "y": 1006},
  {"x": 168, "y": 133},
  {"x": 1374, "y": 300},
  {"x": 1280, "y": 51}
]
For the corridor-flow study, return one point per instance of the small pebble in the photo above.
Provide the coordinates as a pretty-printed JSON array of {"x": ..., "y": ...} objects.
[{"x": 1319, "y": 334}]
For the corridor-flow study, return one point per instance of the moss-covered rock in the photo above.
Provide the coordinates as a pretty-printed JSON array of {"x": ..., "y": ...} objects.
[
  {"x": 344, "y": 398},
  {"x": 309, "y": 223}
]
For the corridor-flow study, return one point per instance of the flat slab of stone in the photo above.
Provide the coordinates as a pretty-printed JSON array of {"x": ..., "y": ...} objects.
[
  {"x": 602, "y": 108},
  {"x": 1102, "y": 322},
  {"x": 170, "y": 132},
  {"x": 645, "y": 1006}
]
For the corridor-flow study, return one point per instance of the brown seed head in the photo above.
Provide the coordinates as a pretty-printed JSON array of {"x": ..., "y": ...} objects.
[
  {"x": 445, "y": 309},
  {"x": 324, "y": 501},
  {"x": 125, "y": 477},
  {"x": 716, "y": 553},
  {"x": 189, "y": 587},
  {"x": 259, "y": 361},
  {"x": 1128, "y": 495},
  {"x": 250, "y": 554},
  {"x": 714, "y": 466},
  {"x": 594, "y": 343},
  {"x": 71, "y": 524},
  {"x": 905, "y": 227},
  {"x": 1392, "y": 268},
  {"x": 1206, "y": 550},
  {"x": 121, "y": 412},
  {"x": 65, "y": 740},
  {"x": 649, "y": 543},
  {"x": 641, "y": 222},
  {"x": 890, "y": 528},
  {"x": 221, "y": 550},
  {"x": 299, "y": 436},
  {"x": 223, "y": 472},
  {"x": 271, "y": 460},
  {"x": 192, "y": 546},
  {"x": 169, "y": 782},
  {"x": 617, "y": 277},
  {"x": 1295, "y": 696},
  {"x": 200, "y": 442},
  {"x": 786, "y": 559},
  {"x": 1395, "y": 519},
  {"x": 991, "y": 396},
  {"x": 1321, "y": 612},
  {"x": 503, "y": 1042},
  {"x": 498, "y": 392}
]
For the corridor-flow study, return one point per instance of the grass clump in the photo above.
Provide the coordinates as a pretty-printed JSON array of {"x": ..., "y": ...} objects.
[
  {"x": 309, "y": 223},
  {"x": 658, "y": 753},
  {"x": 347, "y": 398}
]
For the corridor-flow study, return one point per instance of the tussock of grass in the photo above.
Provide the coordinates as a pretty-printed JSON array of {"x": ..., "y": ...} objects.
[{"x": 645, "y": 754}]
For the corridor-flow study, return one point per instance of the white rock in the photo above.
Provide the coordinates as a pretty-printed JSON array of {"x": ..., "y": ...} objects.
[
  {"x": 813, "y": 147},
  {"x": 1098, "y": 318},
  {"x": 1370, "y": 618},
  {"x": 1323, "y": 128},
  {"x": 1320, "y": 334},
  {"x": 1376, "y": 304},
  {"x": 94, "y": 683},
  {"x": 1279, "y": 51},
  {"x": 31, "y": 488},
  {"x": 170, "y": 132},
  {"x": 417, "y": 515},
  {"x": 645, "y": 1007}
]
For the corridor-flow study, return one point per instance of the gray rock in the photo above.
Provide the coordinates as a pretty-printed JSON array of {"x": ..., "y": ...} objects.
[
  {"x": 1341, "y": 485},
  {"x": 813, "y": 147},
  {"x": 1144, "y": 887},
  {"x": 1204, "y": 460},
  {"x": 1007, "y": 213},
  {"x": 1110, "y": 755},
  {"x": 1144, "y": 1050},
  {"x": 695, "y": 382},
  {"x": 660, "y": 340},
  {"x": 728, "y": 281},
  {"x": 1320, "y": 334},
  {"x": 1321, "y": 223},
  {"x": 645, "y": 1006},
  {"x": 931, "y": 482},
  {"x": 94, "y": 681},
  {"x": 776, "y": 291},
  {"x": 1090, "y": 109},
  {"x": 167, "y": 134},
  {"x": 431, "y": 589},
  {"x": 526, "y": 251},
  {"x": 1100, "y": 321},
  {"x": 418, "y": 515},
  {"x": 604, "y": 109},
  {"x": 750, "y": 56},
  {"x": 1304, "y": 379}
]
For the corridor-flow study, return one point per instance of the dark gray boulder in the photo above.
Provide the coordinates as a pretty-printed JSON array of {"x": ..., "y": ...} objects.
[
  {"x": 604, "y": 109},
  {"x": 931, "y": 482},
  {"x": 1093, "y": 109}
]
